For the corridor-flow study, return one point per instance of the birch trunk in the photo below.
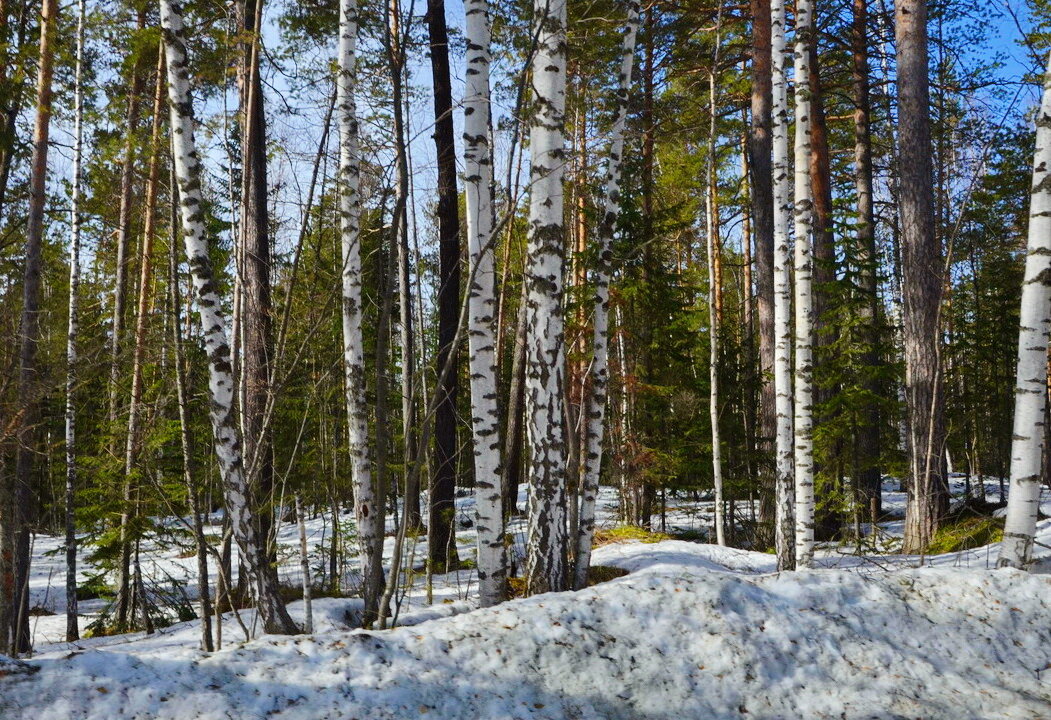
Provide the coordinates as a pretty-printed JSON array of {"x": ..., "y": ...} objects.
[
  {"x": 220, "y": 380},
  {"x": 182, "y": 397},
  {"x": 783, "y": 207},
  {"x": 1027, "y": 446},
  {"x": 481, "y": 338},
  {"x": 72, "y": 628},
  {"x": 714, "y": 294},
  {"x": 596, "y": 408},
  {"x": 545, "y": 351},
  {"x": 804, "y": 299},
  {"x": 368, "y": 509}
]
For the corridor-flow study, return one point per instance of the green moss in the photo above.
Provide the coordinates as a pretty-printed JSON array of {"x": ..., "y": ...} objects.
[
  {"x": 966, "y": 532},
  {"x": 624, "y": 533}
]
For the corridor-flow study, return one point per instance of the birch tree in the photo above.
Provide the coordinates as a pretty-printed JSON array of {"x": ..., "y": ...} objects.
[
  {"x": 220, "y": 379},
  {"x": 545, "y": 339},
  {"x": 714, "y": 291},
  {"x": 72, "y": 333},
  {"x": 1027, "y": 445},
  {"x": 596, "y": 409},
  {"x": 481, "y": 337},
  {"x": 368, "y": 509},
  {"x": 804, "y": 301},
  {"x": 783, "y": 207}
]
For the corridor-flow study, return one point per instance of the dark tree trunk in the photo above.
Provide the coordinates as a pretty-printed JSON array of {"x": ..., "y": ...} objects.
[
  {"x": 444, "y": 486},
  {"x": 868, "y": 439},
  {"x": 760, "y": 149},
  {"x": 922, "y": 271},
  {"x": 257, "y": 309},
  {"x": 29, "y": 381}
]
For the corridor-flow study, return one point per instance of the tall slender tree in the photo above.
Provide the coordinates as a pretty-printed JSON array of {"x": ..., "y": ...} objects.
[
  {"x": 922, "y": 276},
  {"x": 596, "y": 401},
  {"x": 868, "y": 442},
  {"x": 783, "y": 208},
  {"x": 220, "y": 379},
  {"x": 804, "y": 299},
  {"x": 443, "y": 487},
  {"x": 1027, "y": 445},
  {"x": 481, "y": 337},
  {"x": 29, "y": 384},
  {"x": 369, "y": 509},
  {"x": 545, "y": 339},
  {"x": 73, "y": 332},
  {"x": 760, "y": 149}
]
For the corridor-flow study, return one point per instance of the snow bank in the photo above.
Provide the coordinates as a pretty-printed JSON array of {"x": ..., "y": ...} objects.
[{"x": 673, "y": 640}]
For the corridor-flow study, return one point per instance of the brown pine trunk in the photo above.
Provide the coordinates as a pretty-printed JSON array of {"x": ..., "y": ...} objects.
[
  {"x": 928, "y": 498},
  {"x": 257, "y": 309},
  {"x": 868, "y": 439},
  {"x": 444, "y": 487},
  {"x": 29, "y": 381},
  {"x": 760, "y": 149},
  {"x": 127, "y": 199}
]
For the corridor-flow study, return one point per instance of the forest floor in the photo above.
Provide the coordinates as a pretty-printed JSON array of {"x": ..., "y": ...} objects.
[{"x": 692, "y": 630}]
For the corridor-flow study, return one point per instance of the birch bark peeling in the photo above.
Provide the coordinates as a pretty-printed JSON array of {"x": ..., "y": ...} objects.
[{"x": 1027, "y": 444}]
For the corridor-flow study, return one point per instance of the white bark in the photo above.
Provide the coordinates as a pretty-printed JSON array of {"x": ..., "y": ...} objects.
[
  {"x": 782, "y": 294},
  {"x": 545, "y": 351},
  {"x": 72, "y": 629},
  {"x": 804, "y": 301},
  {"x": 596, "y": 410},
  {"x": 1027, "y": 446},
  {"x": 304, "y": 564},
  {"x": 485, "y": 415},
  {"x": 713, "y": 290},
  {"x": 368, "y": 509},
  {"x": 220, "y": 379}
]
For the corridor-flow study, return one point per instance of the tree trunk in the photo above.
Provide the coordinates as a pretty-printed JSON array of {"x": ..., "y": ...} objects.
[
  {"x": 1027, "y": 446},
  {"x": 193, "y": 491},
  {"x": 928, "y": 492},
  {"x": 760, "y": 147},
  {"x": 221, "y": 387},
  {"x": 868, "y": 438},
  {"x": 257, "y": 304},
  {"x": 29, "y": 382},
  {"x": 368, "y": 508},
  {"x": 485, "y": 414},
  {"x": 596, "y": 401},
  {"x": 127, "y": 191},
  {"x": 783, "y": 207},
  {"x": 125, "y": 614},
  {"x": 545, "y": 351},
  {"x": 804, "y": 299},
  {"x": 714, "y": 291},
  {"x": 72, "y": 627},
  {"x": 443, "y": 489}
]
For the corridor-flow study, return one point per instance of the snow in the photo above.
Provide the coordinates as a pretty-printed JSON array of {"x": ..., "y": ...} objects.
[{"x": 692, "y": 631}]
